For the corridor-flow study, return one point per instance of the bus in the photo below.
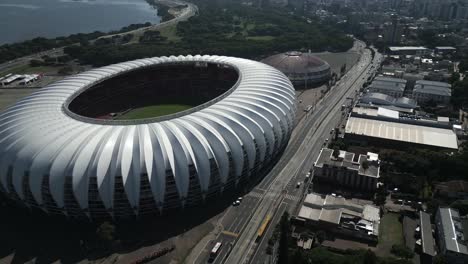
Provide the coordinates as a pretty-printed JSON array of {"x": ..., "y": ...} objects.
[
  {"x": 215, "y": 251},
  {"x": 263, "y": 227}
]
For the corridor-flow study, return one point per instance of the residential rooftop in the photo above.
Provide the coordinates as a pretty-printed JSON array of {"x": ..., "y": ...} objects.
[{"x": 347, "y": 160}]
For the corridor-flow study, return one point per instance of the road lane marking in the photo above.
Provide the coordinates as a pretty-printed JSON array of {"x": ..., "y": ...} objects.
[
  {"x": 303, "y": 152},
  {"x": 228, "y": 233}
]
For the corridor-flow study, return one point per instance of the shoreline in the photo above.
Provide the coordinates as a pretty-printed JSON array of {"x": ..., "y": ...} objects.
[
  {"x": 184, "y": 14},
  {"x": 178, "y": 15},
  {"x": 141, "y": 12}
]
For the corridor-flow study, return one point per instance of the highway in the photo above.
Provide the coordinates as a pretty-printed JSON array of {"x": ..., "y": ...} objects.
[
  {"x": 277, "y": 192},
  {"x": 187, "y": 13}
]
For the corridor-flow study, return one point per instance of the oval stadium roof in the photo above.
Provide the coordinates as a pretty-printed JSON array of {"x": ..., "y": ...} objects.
[
  {"x": 54, "y": 160},
  {"x": 296, "y": 62}
]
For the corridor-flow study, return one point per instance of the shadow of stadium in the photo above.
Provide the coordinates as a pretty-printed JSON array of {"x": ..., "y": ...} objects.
[{"x": 35, "y": 236}]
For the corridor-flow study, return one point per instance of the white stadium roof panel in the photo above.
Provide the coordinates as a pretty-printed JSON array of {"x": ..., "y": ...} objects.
[{"x": 51, "y": 157}]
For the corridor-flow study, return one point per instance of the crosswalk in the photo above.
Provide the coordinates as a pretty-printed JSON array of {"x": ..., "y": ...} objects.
[
  {"x": 255, "y": 194},
  {"x": 292, "y": 197}
]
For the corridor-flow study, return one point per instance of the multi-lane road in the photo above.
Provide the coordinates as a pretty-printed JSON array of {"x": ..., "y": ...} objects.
[
  {"x": 277, "y": 192},
  {"x": 183, "y": 15}
]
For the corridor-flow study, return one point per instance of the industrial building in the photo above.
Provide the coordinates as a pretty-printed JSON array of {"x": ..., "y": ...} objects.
[
  {"x": 445, "y": 49},
  {"x": 303, "y": 69},
  {"x": 463, "y": 117},
  {"x": 390, "y": 86},
  {"x": 384, "y": 127},
  {"x": 426, "y": 240},
  {"x": 343, "y": 169},
  {"x": 340, "y": 215},
  {"x": 452, "y": 233},
  {"x": 438, "y": 92},
  {"x": 409, "y": 50},
  {"x": 59, "y": 155},
  {"x": 379, "y": 99}
]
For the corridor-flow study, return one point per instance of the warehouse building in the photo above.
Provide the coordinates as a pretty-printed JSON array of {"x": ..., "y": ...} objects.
[
  {"x": 343, "y": 169},
  {"x": 390, "y": 86},
  {"x": 426, "y": 241},
  {"x": 438, "y": 92},
  {"x": 409, "y": 50},
  {"x": 393, "y": 134},
  {"x": 340, "y": 215},
  {"x": 388, "y": 128},
  {"x": 401, "y": 104},
  {"x": 452, "y": 231}
]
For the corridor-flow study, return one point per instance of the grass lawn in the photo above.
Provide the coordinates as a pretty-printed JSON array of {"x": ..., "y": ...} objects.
[
  {"x": 390, "y": 233},
  {"x": 27, "y": 69},
  {"x": 154, "y": 111},
  {"x": 264, "y": 38},
  {"x": 170, "y": 32}
]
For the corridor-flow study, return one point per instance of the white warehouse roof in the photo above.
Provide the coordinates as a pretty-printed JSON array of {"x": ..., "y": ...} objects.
[
  {"x": 429, "y": 136},
  {"x": 407, "y": 48}
]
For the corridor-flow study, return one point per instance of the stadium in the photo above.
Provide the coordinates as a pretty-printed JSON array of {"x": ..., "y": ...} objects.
[
  {"x": 303, "y": 69},
  {"x": 145, "y": 136}
]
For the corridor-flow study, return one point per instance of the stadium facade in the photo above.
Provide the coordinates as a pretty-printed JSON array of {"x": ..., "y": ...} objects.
[{"x": 59, "y": 151}]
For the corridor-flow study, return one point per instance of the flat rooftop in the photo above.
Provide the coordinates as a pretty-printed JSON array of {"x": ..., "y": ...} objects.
[
  {"x": 445, "y": 48},
  {"x": 454, "y": 235},
  {"x": 407, "y": 48},
  {"x": 427, "y": 240},
  {"x": 388, "y": 83},
  {"x": 424, "y": 135},
  {"x": 432, "y": 87},
  {"x": 335, "y": 210},
  {"x": 347, "y": 160}
]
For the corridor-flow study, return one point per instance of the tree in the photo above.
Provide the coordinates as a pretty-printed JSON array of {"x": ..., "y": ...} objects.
[
  {"x": 432, "y": 206},
  {"x": 336, "y": 152},
  {"x": 343, "y": 69},
  {"x": 402, "y": 251},
  {"x": 297, "y": 258},
  {"x": 67, "y": 70},
  {"x": 320, "y": 235},
  {"x": 369, "y": 257},
  {"x": 463, "y": 66},
  {"x": 365, "y": 165},
  {"x": 105, "y": 233},
  {"x": 440, "y": 259},
  {"x": 455, "y": 77},
  {"x": 380, "y": 196},
  {"x": 283, "y": 249},
  {"x": 36, "y": 63}
]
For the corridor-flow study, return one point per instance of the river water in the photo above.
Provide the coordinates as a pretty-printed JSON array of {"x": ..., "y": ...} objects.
[{"x": 26, "y": 19}]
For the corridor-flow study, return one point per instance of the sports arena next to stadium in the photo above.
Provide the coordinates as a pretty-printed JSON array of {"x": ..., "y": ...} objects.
[
  {"x": 303, "y": 69},
  {"x": 61, "y": 151}
]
